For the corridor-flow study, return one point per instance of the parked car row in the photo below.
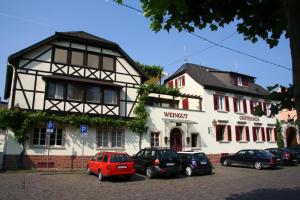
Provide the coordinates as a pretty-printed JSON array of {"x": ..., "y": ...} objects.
[
  {"x": 259, "y": 159},
  {"x": 149, "y": 161}
]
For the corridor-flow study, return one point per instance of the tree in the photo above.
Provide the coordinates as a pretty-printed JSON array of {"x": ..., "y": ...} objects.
[
  {"x": 265, "y": 19},
  {"x": 280, "y": 141}
]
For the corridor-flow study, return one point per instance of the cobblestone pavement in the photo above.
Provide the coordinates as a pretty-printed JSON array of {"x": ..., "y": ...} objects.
[{"x": 230, "y": 183}]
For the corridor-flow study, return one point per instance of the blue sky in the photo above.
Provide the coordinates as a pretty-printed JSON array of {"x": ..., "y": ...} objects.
[{"x": 24, "y": 23}]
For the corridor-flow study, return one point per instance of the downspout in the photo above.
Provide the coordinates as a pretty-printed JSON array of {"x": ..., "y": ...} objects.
[{"x": 11, "y": 103}]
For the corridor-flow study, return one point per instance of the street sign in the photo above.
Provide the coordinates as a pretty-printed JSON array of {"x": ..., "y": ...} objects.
[
  {"x": 83, "y": 130},
  {"x": 50, "y": 127}
]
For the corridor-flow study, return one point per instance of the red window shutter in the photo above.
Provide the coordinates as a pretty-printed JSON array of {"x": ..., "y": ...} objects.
[
  {"x": 245, "y": 105},
  {"x": 227, "y": 103},
  {"x": 176, "y": 83},
  {"x": 218, "y": 133},
  {"x": 247, "y": 134},
  {"x": 234, "y": 104},
  {"x": 251, "y": 107},
  {"x": 267, "y": 132},
  {"x": 170, "y": 84},
  {"x": 263, "y": 134},
  {"x": 254, "y": 135},
  {"x": 265, "y": 108},
  {"x": 216, "y": 102},
  {"x": 229, "y": 132},
  {"x": 237, "y": 133},
  {"x": 275, "y": 134},
  {"x": 235, "y": 80},
  {"x": 185, "y": 103},
  {"x": 183, "y": 81}
]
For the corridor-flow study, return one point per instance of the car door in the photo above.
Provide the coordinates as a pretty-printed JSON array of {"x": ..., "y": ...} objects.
[
  {"x": 138, "y": 163},
  {"x": 92, "y": 163},
  {"x": 239, "y": 158},
  {"x": 249, "y": 158}
]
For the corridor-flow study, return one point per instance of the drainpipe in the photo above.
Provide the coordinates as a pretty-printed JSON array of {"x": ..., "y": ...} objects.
[{"x": 11, "y": 102}]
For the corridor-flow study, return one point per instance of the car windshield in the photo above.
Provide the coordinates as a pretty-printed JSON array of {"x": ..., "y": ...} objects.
[
  {"x": 119, "y": 158},
  {"x": 264, "y": 154},
  {"x": 200, "y": 157},
  {"x": 167, "y": 153}
]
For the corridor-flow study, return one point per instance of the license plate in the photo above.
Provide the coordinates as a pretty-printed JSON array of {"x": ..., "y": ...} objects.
[
  {"x": 170, "y": 164},
  {"x": 203, "y": 163},
  {"x": 122, "y": 167}
]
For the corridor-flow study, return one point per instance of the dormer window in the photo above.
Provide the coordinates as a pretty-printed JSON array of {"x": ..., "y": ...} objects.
[{"x": 239, "y": 81}]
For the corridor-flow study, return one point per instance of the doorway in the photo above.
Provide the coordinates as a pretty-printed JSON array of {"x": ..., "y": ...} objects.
[
  {"x": 291, "y": 136},
  {"x": 176, "y": 139}
]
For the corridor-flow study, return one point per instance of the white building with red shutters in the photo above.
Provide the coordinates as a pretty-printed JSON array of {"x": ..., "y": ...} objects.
[{"x": 216, "y": 114}]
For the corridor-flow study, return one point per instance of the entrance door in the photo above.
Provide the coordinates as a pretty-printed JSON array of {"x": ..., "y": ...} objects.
[
  {"x": 291, "y": 138},
  {"x": 176, "y": 139}
]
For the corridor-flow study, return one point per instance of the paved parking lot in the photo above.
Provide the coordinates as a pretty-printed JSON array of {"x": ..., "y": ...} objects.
[{"x": 230, "y": 183}]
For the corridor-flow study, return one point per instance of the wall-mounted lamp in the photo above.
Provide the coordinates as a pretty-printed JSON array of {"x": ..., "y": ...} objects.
[
  {"x": 188, "y": 140},
  {"x": 166, "y": 139},
  {"x": 214, "y": 122}
]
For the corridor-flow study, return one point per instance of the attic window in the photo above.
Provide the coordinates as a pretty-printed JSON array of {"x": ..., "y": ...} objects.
[
  {"x": 60, "y": 56},
  {"x": 239, "y": 81},
  {"x": 242, "y": 81}
]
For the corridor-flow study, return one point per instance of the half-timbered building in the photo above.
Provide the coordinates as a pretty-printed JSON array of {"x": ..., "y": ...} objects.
[{"x": 71, "y": 73}]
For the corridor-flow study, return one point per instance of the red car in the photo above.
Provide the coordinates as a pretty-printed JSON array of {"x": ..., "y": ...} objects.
[{"x": 106, "y": 164}]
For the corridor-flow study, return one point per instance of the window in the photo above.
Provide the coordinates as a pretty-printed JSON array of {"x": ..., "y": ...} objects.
[
  {"x": 271, "y": 135},
  {"x": 195, "y": 140},
  {"x": 75, "y": 92},
  {"x": 239, "y": 81},
  {"x": 238, "y": 105},
  {"x": 93, "y": 94},
  {"x": 110, "y": 97},
  {"x": 257, "y": 134},
  {"x": 221, "y": 102},
  {"x": 180, "y": 82},
  {"x": 223, "y": 133},
  {"x": 93, "y": 61},
  {"x": 61, "y": 56},
  {"x": 113, "y": 138},
  {"x": 108, "y": 63},
  {"x": 242, "y": 133},
  {"x": 254, "y": 104},
  {"x": 77, "y": 58},
  {"x": 55, "y": 90},
  {"x": 40, "y": 139},
  {"x": 155, "y": 139}
]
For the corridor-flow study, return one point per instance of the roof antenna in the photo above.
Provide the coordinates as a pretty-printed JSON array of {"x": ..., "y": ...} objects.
[
  {"x": 185, "y": 55},
  {"x": 236, "y": 66}
]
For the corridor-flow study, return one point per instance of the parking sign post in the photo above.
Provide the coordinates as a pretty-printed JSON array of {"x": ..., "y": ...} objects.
[
  {"x": 49, "y": 130},
  {"x": 83, "y": 133}
]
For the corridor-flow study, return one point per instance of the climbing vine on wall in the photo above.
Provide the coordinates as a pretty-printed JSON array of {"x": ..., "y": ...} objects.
[{"x": 21, "y": 122}]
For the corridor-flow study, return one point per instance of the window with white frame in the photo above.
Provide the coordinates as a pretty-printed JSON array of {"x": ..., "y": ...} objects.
[
  {"x": 55, "y": 90},
  {"x": 221, "y": 102},
  {"x": 239, "y": 104},
  {"x": 39, "y": 137},
  {"x": 257, "y": 134},
  {"x": 181, "y": 81},
  {"x": 242, "y": 133},
  {"x": 239, "y": 81},
  {"x": 113, "y": 138},
  {"x": 154, "y": 139},
  {"x": 270, "y": 134},
  {"x": 221, "y": 105},
  {"x": 268, "y": 107},
  {"x": 223, "y": 133}
]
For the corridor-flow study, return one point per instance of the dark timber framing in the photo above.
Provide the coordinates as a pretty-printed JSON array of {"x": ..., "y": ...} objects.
[{"x": 85, "y": 75}]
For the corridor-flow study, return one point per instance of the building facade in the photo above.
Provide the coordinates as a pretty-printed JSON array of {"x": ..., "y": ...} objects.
[{"x": 79, "y": 73}]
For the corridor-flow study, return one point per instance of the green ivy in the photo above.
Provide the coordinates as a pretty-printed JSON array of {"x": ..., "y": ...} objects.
[
  {"x": 20, "y": 122},
  {"x": 280, "y": 141}
]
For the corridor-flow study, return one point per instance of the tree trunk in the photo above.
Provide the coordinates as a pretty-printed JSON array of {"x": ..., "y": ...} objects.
[
  {"x": 21, "y": 157},
  {"x": 293, "y": 17},
  {"x": 140, "y": 141}
]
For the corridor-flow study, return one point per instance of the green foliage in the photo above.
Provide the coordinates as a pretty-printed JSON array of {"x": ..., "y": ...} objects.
[
  {"x": 21, "y": 122},
  {"x": 258, "y": 111},
  {"x": 285, "y": 98},
  {"x": 255, "y": 19},
  {"x": 280, "y": 141},
  {"x": 150, "y": 70}
]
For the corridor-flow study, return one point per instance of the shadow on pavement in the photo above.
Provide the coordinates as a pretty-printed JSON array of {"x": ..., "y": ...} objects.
[
  {"x": 264, "y": 194},
  {"x": 134, "y": 178}
]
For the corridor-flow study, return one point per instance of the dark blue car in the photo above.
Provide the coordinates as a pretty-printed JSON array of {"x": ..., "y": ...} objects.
[{"x": 195, "y": 163}]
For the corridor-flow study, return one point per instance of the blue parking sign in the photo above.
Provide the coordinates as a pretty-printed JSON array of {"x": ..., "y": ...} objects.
[
  {"x": 83, "y": 130},
  {"x": 50, "y": 127}
]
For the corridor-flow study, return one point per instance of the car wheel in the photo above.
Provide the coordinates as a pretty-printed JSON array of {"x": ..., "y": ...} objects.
[
  {"x": 100, "y": 176},
  {"x": 226, "y": 163},
  {"x": 149, "y": 172},
  {"x": 188, "y": 171},
  {"x": 258, "y": 165},
  {"x": 88, "y": 171},
  {"x": 128, "y": 178}
]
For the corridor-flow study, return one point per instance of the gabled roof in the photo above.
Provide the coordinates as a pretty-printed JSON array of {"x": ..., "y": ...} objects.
[
  {"x": 215, "y": 79},
  {"x": 73, "y": 36}
]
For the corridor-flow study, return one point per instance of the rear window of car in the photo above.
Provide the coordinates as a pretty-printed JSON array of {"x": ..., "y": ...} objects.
[
  {"x": 166, "y": 153},
  {"x": 119, "y": 158},
  {"x": 200, "y": 157}
]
